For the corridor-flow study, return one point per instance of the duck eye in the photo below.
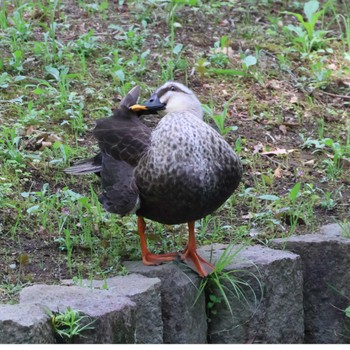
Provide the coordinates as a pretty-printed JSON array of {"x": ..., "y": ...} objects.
[{"x": 172, "y": 88}]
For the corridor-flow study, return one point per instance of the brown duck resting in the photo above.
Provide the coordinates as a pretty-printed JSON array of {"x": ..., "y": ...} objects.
[{"x": 179, "y": 172}]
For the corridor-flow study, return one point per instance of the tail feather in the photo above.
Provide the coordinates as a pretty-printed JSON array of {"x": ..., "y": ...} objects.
[{"x": 87, "y": 166}]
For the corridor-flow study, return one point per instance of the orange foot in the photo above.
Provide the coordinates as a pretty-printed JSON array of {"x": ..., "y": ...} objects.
[
  {"x": 203, "y": 267},
  {"x": 156, "y": 259}
]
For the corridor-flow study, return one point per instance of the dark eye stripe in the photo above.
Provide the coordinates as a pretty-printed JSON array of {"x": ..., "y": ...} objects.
[{"x": 164, "y": 90}]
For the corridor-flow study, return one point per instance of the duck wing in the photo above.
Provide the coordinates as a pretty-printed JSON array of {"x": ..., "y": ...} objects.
[
  {"x": 86, "y": 166},
  {"x": 123, "y": 139},
  {"x": 123, "y": 136},
  {"x": 120, "y": 194}
]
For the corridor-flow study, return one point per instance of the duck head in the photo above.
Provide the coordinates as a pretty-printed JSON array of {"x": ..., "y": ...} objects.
[{"x": 171, "y": 97}]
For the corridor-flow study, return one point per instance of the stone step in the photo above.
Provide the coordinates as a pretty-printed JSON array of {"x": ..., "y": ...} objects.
[
  {"x": 184, "y": 317},
  {"x": 25, "y": 324},
  {"x": 326, "y": 262},
  {"x": 270, "y": 308}
]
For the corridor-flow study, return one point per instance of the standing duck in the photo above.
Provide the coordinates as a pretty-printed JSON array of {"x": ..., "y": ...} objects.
[{"x": 179, "y": 172}]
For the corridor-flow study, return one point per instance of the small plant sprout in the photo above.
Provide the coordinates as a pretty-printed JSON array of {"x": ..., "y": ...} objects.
[
  {"x": 70, "y": 324},
  {"x": 345, "y": 231},
  {"x": 220, "y": 119},
  {"x": 306, "y": 37}
]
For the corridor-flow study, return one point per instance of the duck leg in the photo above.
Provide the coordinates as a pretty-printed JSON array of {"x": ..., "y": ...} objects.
[
  {"x": 191, "y": 256},
  {"x": 147, "y": 257}
]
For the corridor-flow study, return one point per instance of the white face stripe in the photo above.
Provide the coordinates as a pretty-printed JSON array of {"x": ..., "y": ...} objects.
[
  {"x": 165, "y": 98},
  {"x": 178, "y": 86},
  {"x": 179, "y": 99}
]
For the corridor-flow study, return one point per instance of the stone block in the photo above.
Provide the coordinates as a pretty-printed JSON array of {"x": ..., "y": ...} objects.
[
  {"x": 184, "y": 320},
  {"x": 145, "y": 293},
  {"x": 326, "y": 260},
  {"x": 113, "y": 316},
  {"x": 25, "y": 324},
  {"x": 270, "y": 308}
]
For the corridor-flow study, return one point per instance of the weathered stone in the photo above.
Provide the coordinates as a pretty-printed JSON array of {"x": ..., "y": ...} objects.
[
  {"x": 326, "y": 260},
  {"x": 25, "y": 324},
  {"x": 113, "y": 316},
  {"x": 184, "y": 320},
  {"x": 270, "y": 309},
  {"x": 145, "y": 292}
]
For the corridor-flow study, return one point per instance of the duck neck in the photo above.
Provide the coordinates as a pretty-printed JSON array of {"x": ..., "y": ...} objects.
[{"x": 189, "y": 105}]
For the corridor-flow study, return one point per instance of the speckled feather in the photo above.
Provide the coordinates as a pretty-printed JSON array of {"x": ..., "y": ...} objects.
[{"x": 188, "y": 171}]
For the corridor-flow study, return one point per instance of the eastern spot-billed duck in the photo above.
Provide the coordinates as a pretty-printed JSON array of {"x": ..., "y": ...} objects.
[{"x": 179, "y": 172}]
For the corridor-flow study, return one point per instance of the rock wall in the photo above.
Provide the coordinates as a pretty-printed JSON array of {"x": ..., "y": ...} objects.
[
  {"x": 326, "y": 262},
  {"x": 273, "y": 309},
  {"x": 294, "y": 293}
]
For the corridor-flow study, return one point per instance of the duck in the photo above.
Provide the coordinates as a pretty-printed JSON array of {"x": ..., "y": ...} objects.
[{"x": 179, "y": 172}]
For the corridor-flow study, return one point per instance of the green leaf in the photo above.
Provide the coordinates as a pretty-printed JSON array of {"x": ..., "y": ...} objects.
[
  {"x": 4, "y": 79},
  {"x": 297, "y": 30},
  {"x": 228, "y": 72},
  {"x": 310, "y": 8},
  {"x": 19, "y": 78},
  {"x": 177, "y": 49},
  {"x": 33, "y": 209},
  {"x": 38, "y": 91},
  {"x": 54, "y": 72},
  {"x": 294, "y": 192},
  {"x": 250, "y": 61},
  {"x": 347, "y": 312},
  {"x": 25, "y": 194},
  {"x": 269, "y": 197},
  {"x": 120, "y": 75},
  {"x": 297, "y": 15}
]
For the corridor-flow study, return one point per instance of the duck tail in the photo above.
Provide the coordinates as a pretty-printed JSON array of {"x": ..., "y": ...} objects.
[{"x": 87, "y": 166}]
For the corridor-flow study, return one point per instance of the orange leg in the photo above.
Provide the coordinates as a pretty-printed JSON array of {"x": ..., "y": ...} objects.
[
  {"x": 147, "y": 257},
  {"x": 191, "y": 256}
]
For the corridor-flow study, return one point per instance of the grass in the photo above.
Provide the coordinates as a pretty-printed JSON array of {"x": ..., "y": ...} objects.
[
  {"x": 275, "y": 83},
  {"x": 70, "y": 325},
  {"x": 231, "y": 286}
]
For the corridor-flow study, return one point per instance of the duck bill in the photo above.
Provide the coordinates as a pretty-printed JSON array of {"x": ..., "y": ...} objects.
[{"x": 151, "y": 105}]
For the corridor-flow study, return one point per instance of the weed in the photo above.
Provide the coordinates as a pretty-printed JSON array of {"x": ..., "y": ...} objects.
[
  {"x": 10, "y": 290},
  {"x": 219, "y": 54},
  {"x": 306, "y": 38},
  {"x": 226, "y": 286},
  {"x": 333, "y": 164},
  {"x": 10, "y": 145},
  {"x": 86, "y": 43},
  {"x": 346, "y": 22},
  {"x": 17, "y": 61},
  {"x": 70, "y": 324},
  {"x": 344, "y": 228},
  {"x": 220, "y": 119},
  {"x": 132, "y": 39},
  {"x": 99, "y": 7},
  {"x": 62, "y": 78},
  {"x": 5, "y": 80},
  {"x": 19, "y": 29}
]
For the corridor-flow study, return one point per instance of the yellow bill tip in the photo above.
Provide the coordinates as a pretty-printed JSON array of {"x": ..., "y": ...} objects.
[{"x": 137, "y": 108}]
